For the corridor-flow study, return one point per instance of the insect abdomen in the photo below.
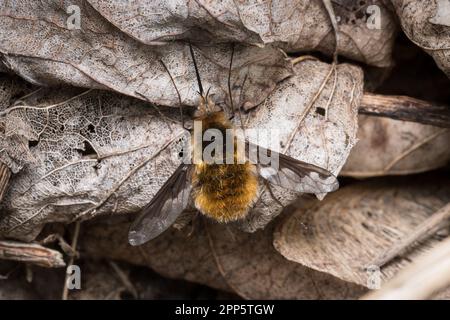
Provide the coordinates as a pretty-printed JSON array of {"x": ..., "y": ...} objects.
[{"x": 224, "y": 192}]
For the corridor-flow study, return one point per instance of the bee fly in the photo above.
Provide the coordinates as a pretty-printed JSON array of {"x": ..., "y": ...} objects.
[{"x": 224, "y": 192}]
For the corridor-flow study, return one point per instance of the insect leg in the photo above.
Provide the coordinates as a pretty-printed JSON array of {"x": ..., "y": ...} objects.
[
  {"x": 231, "y": 112},
  {"x": 199, "y": 81}
]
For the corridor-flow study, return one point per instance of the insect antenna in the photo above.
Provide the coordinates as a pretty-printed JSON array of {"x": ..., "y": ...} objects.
[
  {"x": 199, "y": 81},
  {"x": 162, "y": 115},
  {"x": 178, "y": 93},
  {"x": 229, "y": 90},
  {"x": 229, "y": 81}
]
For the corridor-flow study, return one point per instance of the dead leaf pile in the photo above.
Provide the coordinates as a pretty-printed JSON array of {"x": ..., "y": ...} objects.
[
  {"x": 330, "y": 245},
  {"x": 100, "y": 56},
  {"x": 98, "y": 153},
  {"x": 93, "y": 130},
  {"x": 218, "y": 256}
]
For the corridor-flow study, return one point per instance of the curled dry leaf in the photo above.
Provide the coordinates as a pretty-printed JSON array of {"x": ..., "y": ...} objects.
[
  {"x": 98, "y": 55},
  {"x": 345, "y": 233},
  {"x": 99, "y": 153},
  {"x": 322, "y": 133},
  {"x": 392, "y": 147},
  {"x": 299, "y": 25},
  {"x": 426, "y": 23},
  {"x": 88, "y": 153},
  {"x": 218, "y": 256}
]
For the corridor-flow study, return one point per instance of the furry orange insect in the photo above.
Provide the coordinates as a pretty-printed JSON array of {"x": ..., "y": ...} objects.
[{"x": 224, "y": 192}]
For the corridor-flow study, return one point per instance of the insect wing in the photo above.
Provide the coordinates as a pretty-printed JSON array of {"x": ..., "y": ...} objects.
[
  {"x": 294, "y": 174},
  {"x": 168, "y": 203}
]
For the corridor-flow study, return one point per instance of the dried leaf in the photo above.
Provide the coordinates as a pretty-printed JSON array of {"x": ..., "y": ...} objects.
[
  {"x": 299, "y": 25},
  {"x": 99, "y": 153},
  {"x": 352, "y": 227},
  {"x": 248, "y": 263},
  {"x": 88, "y": 153},
  {"x": 325, "y": 132},
  {"x": 391, "y": 147},
  {"x": 421, "y": 22},
  {"x": 13, "y": 147},
  {"x": 98, "y": 55}
]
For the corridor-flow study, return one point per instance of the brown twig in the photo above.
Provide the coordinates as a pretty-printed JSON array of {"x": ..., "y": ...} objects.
[
  {"x": 123, "y": 277},
  {"x": 303, "y": 58},
  {"x": 31, "y": 253},
  {"x": 425, "y": 229},
  {"x": 76, "y": 233},
  {"x": 406, "y": 109},
  {"x": 65, "y": 247}
]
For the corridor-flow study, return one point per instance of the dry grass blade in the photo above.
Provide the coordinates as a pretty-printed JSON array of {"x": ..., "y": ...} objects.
[{"x": 5, "y": 174}]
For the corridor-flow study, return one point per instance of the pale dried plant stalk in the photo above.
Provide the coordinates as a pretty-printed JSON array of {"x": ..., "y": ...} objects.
[
  {"x": 5, "y": 174},
  {"x": 427, "y": 276},
  {"x": 31, "y": 253}
]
